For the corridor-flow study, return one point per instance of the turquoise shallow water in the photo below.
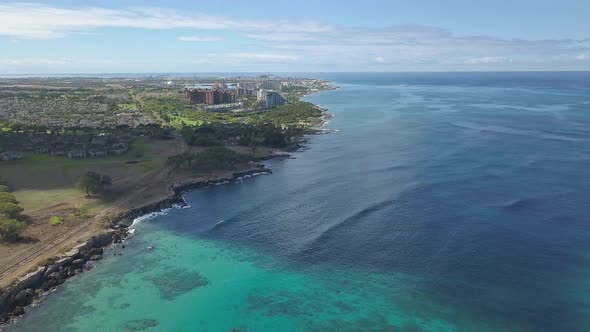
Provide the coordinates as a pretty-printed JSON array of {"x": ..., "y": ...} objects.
[
  {"x": 442, "y": 202},
  {"x": 188, "y": 284}
]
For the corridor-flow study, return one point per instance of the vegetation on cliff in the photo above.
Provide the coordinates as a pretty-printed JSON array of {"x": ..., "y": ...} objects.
[{"x": 212, "y": 159}]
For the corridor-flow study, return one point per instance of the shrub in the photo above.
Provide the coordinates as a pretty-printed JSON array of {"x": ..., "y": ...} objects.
[
  {"x": 4, "y": 188},
  {"x": 7, "y": 198},
  {"x": 10, "y": 210},
  {"x": 10, "y": 229},
  {"x": 56, "y": 220}
]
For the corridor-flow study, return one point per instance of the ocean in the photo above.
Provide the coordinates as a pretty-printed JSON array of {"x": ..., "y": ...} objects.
[{"x": 437, "y": 202}]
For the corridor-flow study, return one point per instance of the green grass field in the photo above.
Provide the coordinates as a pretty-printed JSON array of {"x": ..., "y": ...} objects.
[{"x": 41, "y": 181}]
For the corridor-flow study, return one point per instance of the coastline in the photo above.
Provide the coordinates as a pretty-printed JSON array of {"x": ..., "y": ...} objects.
[{"x": 32, "y": 286}]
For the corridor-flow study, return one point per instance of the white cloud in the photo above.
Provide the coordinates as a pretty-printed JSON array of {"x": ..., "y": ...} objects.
[
  {"x": 281, "y": 36},
  {"x": 308, "y": 44},
  {"x": 413, "y": 47},
  {"x": 198, "y": 39},
  {"x": 262, "y": 56},
  {"x": 39, "y": 21},
  {"x": 488, "y": 60},
  {"x": 35, "y": 62}
]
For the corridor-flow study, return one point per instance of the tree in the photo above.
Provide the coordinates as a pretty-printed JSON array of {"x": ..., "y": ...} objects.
[
  {"x": 10, "y": 210},
  {"x": 254, "y": 143},
  {"x": 93, "y": 182},
  {"x": 7, "y": 198},
  {"x": 10, "y": 229},
  {"x": 4, "y": 188}
]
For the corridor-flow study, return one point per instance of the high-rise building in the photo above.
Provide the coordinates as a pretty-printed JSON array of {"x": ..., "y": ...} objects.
[
  {"x": 209, "y": 97},
  {"x": 270, "y": 98},
  {"x": 271, "y": 85},
  {"x": 274, "y": 99},
  {"x": 248, "y": 85}
]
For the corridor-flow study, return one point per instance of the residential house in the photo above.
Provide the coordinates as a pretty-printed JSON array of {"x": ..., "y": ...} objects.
[{"x": 97, "y": 153}]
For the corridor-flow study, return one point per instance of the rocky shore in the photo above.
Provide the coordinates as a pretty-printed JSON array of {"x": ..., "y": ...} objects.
[{"x": 31, "y": 288}]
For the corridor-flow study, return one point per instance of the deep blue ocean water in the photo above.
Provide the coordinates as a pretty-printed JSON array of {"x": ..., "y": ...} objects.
[{"x": 439, "y": 202}]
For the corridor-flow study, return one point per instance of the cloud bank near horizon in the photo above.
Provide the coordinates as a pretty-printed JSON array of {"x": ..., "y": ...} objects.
[{"x": 283, "y": 45}]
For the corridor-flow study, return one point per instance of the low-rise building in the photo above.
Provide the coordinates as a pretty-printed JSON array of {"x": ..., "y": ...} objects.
[
  {"x": 57, "y": 152},
  {"x": 98, "y": 153},
  {"x": 11, "y": 155},
  {"x": 271, "y": 85},
  {"x": 75, "y": 154}
]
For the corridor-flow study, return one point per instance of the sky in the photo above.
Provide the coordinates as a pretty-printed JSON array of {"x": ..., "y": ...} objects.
[{"x": 293, "y": 36}]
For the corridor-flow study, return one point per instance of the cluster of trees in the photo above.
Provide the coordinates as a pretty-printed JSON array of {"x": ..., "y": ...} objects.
[
  {"x": 217, "y": 134},
  {"x": 212, "y": 159},
  {"x": 10, "y": 225},
  {"x": 292, "y": 113},
  {"x": 93, "y": 183}
]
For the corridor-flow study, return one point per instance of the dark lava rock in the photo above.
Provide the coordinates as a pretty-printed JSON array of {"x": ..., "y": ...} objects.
[
  {"x": 125, "y": 223},
  {"x": 78, "y": 271},
  {"x": 18, "y": 311},
  {"x": 63, "y": 274},
  {"x": 96, "y": 257},
  {"x": 24, "y": 297},
  {"x": 51, "y": 269},
  {"x": 78, "y": 261},
  {"x": 53, "y": 276},
  {"x": 49, "y": 284},
  {"x": 95, "y": 251},
  {"x": 117, "y": 238},
  {"x": 89, "y": 265}
]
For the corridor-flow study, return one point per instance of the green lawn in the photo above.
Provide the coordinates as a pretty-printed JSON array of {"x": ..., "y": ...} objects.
[{"x": 177, "y": 121}]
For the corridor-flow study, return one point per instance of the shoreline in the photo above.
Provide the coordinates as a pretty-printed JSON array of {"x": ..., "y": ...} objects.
[{"x": 33, "y": 286}]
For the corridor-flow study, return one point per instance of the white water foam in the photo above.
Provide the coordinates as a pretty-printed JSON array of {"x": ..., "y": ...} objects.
[
  {"x": 184, "y": 205},
  {"x": 149, "y": 216}
]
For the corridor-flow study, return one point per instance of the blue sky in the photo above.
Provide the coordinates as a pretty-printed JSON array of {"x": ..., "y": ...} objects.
[{"x": 287, "y": 36}]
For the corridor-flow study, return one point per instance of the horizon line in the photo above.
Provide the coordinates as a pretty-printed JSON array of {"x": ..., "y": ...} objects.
[{"x": 105, "y": 74}]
